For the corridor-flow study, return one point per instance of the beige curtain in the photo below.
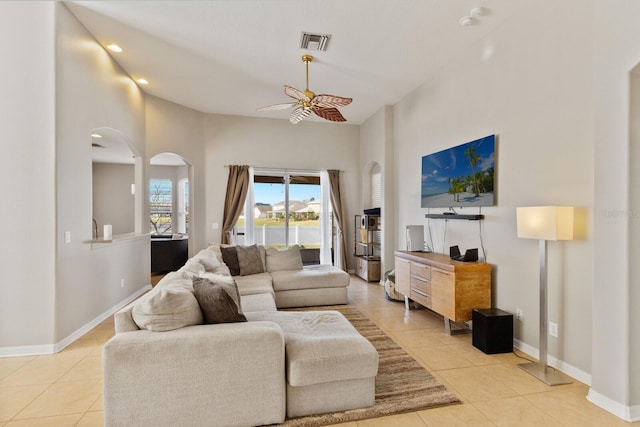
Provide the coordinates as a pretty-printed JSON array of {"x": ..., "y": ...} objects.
[
  {"x": 237, "y": 187},
  {"x": 339, "y": 219}
]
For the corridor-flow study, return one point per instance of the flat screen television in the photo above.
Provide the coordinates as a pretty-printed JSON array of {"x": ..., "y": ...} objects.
[{"x": 460, "y": 176}]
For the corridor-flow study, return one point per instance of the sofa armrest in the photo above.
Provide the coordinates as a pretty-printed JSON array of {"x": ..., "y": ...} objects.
[{"x": 227, "y": 374}]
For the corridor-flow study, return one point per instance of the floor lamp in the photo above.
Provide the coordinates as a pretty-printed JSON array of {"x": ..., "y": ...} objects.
[{"x": 545, "y": 223}]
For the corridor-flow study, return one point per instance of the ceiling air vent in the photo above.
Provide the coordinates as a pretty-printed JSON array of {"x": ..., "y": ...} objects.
[{"x": 314, "y": 41}]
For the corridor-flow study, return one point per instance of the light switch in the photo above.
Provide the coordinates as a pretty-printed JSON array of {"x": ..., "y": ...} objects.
[{"x": 67, "y": 237}]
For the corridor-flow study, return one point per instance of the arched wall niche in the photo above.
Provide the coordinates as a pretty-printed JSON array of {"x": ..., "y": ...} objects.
[{"x": 117, "y": 176}]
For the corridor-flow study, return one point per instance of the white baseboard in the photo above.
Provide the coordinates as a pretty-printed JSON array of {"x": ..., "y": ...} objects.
[
  {"x": 560, "y": 365},
  {"x": 37, "y": 350},
  {"x": 627, "y": 413},
  {"x": 634, "y": 413},
  {"x": 27, "y": 350}
]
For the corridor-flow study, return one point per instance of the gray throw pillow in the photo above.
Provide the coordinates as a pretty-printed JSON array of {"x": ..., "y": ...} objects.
[
  {"x": 230, "y": 257},
  {"x": 249, "y": 260},
  {"x": 219, "y": 302}
]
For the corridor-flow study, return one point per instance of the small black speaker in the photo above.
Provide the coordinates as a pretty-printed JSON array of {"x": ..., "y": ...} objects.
[{"x": 492, "y": 330}]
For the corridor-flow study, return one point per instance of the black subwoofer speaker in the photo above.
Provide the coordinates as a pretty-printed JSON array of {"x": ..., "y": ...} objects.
[{"x": 492, "y": 330}]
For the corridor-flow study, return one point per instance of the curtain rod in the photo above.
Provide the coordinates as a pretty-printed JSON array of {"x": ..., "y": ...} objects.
[{"x": 284, "y": 169}]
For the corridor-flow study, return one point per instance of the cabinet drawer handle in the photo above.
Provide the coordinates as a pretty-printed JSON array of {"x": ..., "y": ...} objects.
[
  {"x": 422, "y": 279},
  {"x": 419, "y": 292}
]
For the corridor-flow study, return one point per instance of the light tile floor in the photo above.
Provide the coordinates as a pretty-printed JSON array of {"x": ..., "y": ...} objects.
[{"x": 65, "y": 389}]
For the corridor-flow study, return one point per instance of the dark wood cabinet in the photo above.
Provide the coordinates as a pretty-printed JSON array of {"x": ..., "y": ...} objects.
[{"x": 168, "y": 254}]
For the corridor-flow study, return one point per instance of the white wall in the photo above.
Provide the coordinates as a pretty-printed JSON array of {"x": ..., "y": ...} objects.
[
  {"x": 268, "y": 143},
  {"x": 616, "y": 326},
  {"x": 113, "y": 202},
  {"x": 376, "y": 146},
  {"x": 634, "y": 247},
  {"x": 91, "y": 92},
  {"x": 27, "y": 169},
  {"x": 173, "y": 128},
  {"x": 532, "y": 88}
]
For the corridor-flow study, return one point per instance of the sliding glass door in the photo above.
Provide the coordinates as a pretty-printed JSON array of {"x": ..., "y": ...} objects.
[{"x": 286, "y": 208}]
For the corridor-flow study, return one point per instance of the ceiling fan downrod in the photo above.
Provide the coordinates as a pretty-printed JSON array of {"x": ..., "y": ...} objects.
[{"x": 307, "y": 59}]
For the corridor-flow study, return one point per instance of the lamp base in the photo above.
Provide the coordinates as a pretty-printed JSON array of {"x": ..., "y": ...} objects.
[{"x": 547, "y": 375}]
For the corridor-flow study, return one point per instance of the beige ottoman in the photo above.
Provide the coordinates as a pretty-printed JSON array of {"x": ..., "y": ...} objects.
[{"x": 330, "y": 366}]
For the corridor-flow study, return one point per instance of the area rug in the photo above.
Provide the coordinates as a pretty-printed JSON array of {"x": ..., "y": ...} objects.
[{"x": 402, "y": 384}]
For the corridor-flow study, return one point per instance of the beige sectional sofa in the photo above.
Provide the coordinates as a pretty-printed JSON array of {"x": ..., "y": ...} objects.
[{"x": 164, "y": 367}]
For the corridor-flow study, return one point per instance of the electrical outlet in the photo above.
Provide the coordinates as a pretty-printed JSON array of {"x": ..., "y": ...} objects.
[
  {"x": 122, "y": 283},
  {"x": 519, "y": 315},
  {"x": 553, "y": 329}
]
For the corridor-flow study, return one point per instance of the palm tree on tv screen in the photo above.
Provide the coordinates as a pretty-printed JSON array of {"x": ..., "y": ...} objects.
[{"x": 474, "y": 159}]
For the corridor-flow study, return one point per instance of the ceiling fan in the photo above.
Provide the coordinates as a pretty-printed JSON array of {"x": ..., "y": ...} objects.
[{"x": 322, "y": 105}]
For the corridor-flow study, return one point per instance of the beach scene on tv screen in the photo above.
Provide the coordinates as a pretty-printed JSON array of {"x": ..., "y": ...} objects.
[{"x": 460, "y": 176}]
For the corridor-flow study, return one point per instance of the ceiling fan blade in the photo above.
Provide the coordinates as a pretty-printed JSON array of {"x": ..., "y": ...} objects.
[
  {"x": 278, "y": 106},
  {"x": 295, "y": 93},
  {"x": 331, "y": 114},
  {"x": 299, "y": 114},
  {"x": 329, "y": 101}
]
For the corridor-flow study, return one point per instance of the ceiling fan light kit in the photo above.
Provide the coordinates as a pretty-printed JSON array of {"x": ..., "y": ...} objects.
[{"x": 324, "y": 105}]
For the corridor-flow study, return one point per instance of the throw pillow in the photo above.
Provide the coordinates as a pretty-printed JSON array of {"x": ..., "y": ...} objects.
[
  {"x": 218, "y": 302},
  {"x": 167, "y": 309},
  {"x": 249, "y": 260},
  {"x": 230, "y": 257},
  {"x": 226, "y": 282},
  {"x": 263, "y": 256},
  {"x": 208, "y": 258},
  {"x": 221, "y": 278},
  {"x": 192, "y": 269},
  {"x": 288, "y": 259}
]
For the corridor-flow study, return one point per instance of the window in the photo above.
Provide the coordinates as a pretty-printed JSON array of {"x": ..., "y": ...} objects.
[
  {"x": 160, "y": 204},
  {"x": 183, "y": 206}
]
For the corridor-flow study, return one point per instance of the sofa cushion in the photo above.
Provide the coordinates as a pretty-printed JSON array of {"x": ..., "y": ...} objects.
[
  {"x": 287, "y": 259},
  {"x": 219, "y": 302},
  {"x": 249, "y": 260},
  {"x": 310, "y": 277},
  {"x": 254, "y": 284},
  {"x": 322, "y": 346},
  {"x": 230, "y": 258},
  {"x": 258, "y": 302},
  {"x": 167, "y": 309}
]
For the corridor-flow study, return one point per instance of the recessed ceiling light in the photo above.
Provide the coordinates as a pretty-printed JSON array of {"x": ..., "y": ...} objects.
[
  {"x": 466, "y": 21},
  {"x": 143, "y": 81},
  {"x": 114, "y": 48},
  {"x": 477, "y": 12},
  {"x": 96, "y": 135}
]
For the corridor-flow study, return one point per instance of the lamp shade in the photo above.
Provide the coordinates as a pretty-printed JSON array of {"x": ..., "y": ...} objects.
[{"x": 545, "y": 222}]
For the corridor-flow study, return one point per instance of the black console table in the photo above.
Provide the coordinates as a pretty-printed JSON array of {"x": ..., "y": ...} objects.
[{"x": 168, "y": 254}]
